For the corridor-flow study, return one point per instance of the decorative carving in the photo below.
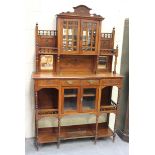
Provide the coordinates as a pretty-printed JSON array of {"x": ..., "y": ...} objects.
[
  {"x": 107, "y": 51},
  {"x": 48, "y": 50}
]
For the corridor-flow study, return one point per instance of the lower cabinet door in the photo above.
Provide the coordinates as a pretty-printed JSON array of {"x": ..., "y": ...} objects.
[
  {"x": 70, "y": 99},
  {"x": 89, "y": 99}
]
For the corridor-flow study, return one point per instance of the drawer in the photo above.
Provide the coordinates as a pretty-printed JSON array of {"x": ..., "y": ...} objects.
[
  {"x": 111, "y": 82},
  {"x": 70, "y": 83},
  {"x": 48, "y": 82},
  {"x": 90, "y": 82}
]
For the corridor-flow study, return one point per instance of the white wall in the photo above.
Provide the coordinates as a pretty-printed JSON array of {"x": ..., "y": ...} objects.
[{"x": 44, "y": 12}]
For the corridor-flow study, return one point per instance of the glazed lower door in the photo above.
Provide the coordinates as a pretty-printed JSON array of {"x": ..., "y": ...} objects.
[
  {"x": 70, "y": 98},
  {"x": 89, "y": 99}
]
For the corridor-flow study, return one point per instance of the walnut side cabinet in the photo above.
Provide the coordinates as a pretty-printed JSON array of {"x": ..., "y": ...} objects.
[{"x": 74, "y": 78}]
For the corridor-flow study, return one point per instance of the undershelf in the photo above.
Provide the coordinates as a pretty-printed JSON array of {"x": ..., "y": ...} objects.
[{"x": 46, "y": 135}]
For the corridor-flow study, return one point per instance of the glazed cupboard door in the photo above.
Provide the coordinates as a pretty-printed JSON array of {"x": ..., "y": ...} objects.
[
  {"x": 70, "y": 36},
  {"x": 89, "y": 37},
  {"x": 70, "y": 99},
  {"x": 89, "y": 99}
]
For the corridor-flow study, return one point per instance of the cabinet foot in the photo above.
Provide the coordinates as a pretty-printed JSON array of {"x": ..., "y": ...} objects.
[
  {"x": 36, "y": 145},
  {"x": 95, "y": 141},
  {"x": 114, "y": 135},
  {"x": 58, "y": 144}
]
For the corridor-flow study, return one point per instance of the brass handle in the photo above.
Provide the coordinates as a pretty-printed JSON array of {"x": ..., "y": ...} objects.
[
  {"x": 91, "y": 81},
  {"x": 70, "y": 82}
]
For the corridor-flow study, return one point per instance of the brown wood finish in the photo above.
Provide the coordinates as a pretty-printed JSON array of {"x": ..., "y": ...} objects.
[{"x": 75, "y": 81}]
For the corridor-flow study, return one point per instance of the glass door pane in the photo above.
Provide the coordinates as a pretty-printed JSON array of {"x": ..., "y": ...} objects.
[
  {"x": 70, "y": 33},
  {"x": 89, "y": 99},
  {"x": 70, "y": 99},
  {"x": 88, "y": 36}
]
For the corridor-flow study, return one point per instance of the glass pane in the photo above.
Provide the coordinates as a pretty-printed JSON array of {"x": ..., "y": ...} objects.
[
  {"x": 46, "y": 62},
  {"x": 70, "y": 32},
  {"x": 89, "y": 98},
  {"x": 102, "y": 62},
  {"x": 70, "y": 99},
  {"x": 88, "y": 36}
]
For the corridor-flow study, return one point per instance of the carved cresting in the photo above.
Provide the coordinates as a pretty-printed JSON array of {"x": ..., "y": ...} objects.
[{"x": 82, "y": 10}]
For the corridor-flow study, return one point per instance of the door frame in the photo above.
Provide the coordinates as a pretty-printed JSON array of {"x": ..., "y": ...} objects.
[
  {"x": 78, "y": 100},
  {"x": 96, "y": 100}
]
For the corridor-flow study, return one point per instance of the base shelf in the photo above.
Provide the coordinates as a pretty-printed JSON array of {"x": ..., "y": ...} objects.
[{"x": 47, "y": 135}]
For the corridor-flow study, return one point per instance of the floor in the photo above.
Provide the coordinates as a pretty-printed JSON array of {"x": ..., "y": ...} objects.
[{"x": 80, "y": 147}]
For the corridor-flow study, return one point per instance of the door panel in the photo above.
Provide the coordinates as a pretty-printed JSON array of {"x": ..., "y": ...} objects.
[
  {"x": 89, "y": 33},
  {"x": 70, "y": 35},
  {"x": 89, "y": 99},
  {"x": 70, "y": 100}
]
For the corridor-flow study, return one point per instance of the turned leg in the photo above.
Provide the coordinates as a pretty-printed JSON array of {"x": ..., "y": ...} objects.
[
  {"x": 58, "y": 143},
  {"x": 116, "y": 116},
  {"x": 96, "y": 132}
]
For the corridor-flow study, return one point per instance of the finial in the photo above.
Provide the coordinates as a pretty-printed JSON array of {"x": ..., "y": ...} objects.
[{"x": 36, "y": 24}]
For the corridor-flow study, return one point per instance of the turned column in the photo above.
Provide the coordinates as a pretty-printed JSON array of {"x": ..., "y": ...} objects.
[
  {"x": 36, "y": 119},
  {"x": 59, "y": 125},
  {"x": 115, "y": 63}
]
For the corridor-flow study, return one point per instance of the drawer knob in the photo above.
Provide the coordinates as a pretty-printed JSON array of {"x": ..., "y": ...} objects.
[{"x": 70, "y": 82}]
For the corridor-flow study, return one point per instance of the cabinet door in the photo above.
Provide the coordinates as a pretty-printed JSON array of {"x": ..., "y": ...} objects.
[
  {"x": 70, "y": 99},
  {"x": 89, "y": 99},
  {"x": 89, "y": 37},
  {"x": 70, "y": 36}
]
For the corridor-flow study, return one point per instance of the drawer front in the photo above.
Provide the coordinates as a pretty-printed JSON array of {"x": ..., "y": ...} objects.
[
  {"x": 48, "y": 83},
  {"x": 70, "y": 82},
  {"x": 111, "y": 82},
  {"x": 90, "y": 82}
]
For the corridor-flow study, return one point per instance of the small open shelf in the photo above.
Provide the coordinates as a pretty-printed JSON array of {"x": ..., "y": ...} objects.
[
  {"x": 46, "y": 135},
  {"x": 106, "y": 104},
  {"x": 48, "y": 98}
]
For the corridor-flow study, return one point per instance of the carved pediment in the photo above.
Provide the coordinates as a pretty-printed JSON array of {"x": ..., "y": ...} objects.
[{"x": 82, "y": 10}]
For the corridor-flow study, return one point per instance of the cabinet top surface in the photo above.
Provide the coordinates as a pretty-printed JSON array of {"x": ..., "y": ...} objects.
[{"x": 73, "y": 76}]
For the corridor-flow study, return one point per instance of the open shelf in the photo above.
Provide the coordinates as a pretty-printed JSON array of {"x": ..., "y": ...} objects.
[
  {"x": 70, "y": 95},
  {"x": 46, "y": 135},
  {"x": 89, "y": 95},
  {"x": 48, "y": 98}
]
